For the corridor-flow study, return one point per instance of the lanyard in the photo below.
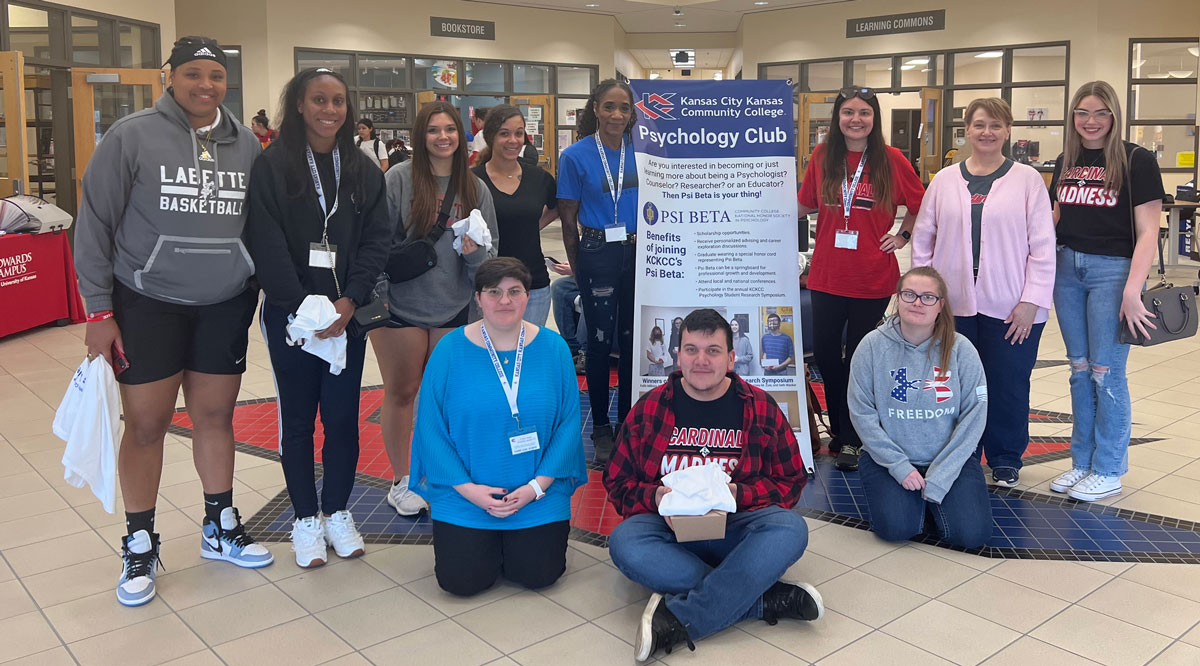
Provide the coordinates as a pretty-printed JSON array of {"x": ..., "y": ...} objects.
[
  {"x": 510, "y": 391},
  {"x": 848, "y": 192},
  {"x": 337, "y": 180},
  {"x": 613, "y": 188}
]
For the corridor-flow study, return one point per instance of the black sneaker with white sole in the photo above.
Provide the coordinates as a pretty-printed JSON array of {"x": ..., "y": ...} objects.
[
  {"x": 659, "y": 629},
  {"x": 796, "y": 601},
  {"x": 1007, "y": 477},
  {"x": 847, "y": 459}
]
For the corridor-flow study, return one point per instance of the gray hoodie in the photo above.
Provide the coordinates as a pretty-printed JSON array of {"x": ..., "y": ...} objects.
[
  {"x": 158, "y": 218},
  {"x": 909, "y": 413}
]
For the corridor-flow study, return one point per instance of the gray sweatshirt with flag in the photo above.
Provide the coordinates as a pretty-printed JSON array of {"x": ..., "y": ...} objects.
[
  {"x": 911, "y": 413},
  {"x": 163, "y": 209}
]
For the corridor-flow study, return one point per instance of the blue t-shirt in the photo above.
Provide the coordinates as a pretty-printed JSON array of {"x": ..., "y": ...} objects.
[
  {"x": 778, "y": 347},
  {"x": 581, "y": 178}
]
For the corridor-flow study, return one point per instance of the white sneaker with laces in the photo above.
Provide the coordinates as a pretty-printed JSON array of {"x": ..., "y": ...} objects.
[
  {"x": 341, "y": 533},
  {"x": 308, "y": 542},
  {"x": 1096, "y": 487},
  {"x": 1068, "y": 479},
  {"x": 405, "y": 501}
]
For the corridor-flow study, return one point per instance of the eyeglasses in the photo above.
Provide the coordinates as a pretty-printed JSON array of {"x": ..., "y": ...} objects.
[
  {"x": 496, "y": 293},
  {"x": 861, "y": 93},
  {"x": 910, "y": 296},
  {"x": 1084, "y": 114}
]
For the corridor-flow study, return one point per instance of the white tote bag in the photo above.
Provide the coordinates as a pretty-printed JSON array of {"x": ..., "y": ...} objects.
[{"x": 89, "y": 419}]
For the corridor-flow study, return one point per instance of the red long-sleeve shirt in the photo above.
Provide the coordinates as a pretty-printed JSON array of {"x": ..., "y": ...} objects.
[{"x": 770, "y": 470}]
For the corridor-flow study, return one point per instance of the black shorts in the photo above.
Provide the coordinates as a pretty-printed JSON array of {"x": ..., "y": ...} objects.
[
  {"x": 164, "y": 338},
  {"x": 459, "y": 319}
]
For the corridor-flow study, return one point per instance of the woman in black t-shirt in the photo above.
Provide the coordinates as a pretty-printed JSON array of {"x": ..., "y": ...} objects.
[
  {"x": 525, "y": 198},
  {"x": 1107, "y": 196}
]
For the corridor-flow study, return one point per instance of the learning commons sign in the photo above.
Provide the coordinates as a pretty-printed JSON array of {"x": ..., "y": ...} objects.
[{"x": 934, "y": 19}]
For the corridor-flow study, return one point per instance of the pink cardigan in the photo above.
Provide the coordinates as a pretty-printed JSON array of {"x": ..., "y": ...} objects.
[{"x": 1016, "y": 247}]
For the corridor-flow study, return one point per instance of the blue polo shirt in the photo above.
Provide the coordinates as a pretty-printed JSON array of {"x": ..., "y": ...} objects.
[{"x": 581, "y": 178}]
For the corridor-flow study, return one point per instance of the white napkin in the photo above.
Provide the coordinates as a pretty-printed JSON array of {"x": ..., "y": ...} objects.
[
  {"x": 317, "y": 313},
  {"x": 697, "y": 490},
  {"x": 474, "y": 226}
]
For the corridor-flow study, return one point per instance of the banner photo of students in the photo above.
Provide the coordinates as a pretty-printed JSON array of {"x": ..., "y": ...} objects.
[{"x": 717, "y": 200}]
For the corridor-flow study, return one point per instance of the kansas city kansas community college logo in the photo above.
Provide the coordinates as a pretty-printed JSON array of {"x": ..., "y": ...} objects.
[
  {"x": 650, "y": 213},
  {"x": 657, "y": 106}
]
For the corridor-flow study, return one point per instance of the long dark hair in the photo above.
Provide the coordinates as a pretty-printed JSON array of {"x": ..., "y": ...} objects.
[
  {"x": 423, "y": 212},
  {"x": 587, "y": 121},
  {"x": 495, "y": 119},
  {"x": 293, "y": 139},
  {"x": 369, "y": 124},
  {"x": 833, "y": 164},
  {"x": 656, "y": 334}
]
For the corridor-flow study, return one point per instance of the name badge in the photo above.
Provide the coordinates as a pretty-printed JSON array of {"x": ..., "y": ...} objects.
[
  {"x": 846, "y": 239},
  {"x": 614, "y": 234},
  {"x": 523, "y": 440},
  {"x": 318, "y": 257}
]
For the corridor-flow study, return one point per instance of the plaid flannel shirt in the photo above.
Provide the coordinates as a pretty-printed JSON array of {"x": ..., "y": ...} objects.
[{"x": 770, "y": 470}]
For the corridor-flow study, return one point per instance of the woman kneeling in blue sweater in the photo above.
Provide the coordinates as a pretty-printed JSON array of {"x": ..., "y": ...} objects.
[
  {"x": 918, "y": 399},
  {"x": 497, "y": 450}
]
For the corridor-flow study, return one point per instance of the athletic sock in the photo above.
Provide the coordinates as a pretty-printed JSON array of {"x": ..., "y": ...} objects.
[
  {"x": 140, "y": 520},
  {"x": 215, "y": 503}
]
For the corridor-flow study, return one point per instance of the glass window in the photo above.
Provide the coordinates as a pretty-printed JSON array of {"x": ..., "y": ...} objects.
[
  {"x": 787, "y": 72},
  {"x": 1043, "y": 63},
  {"x": 824, "y": 76},
  {"x": 978, "y": 67},
  {"x": 29, "y": 31},
  {"x": 338, "y": 62},
  {"x": 233, "y": 65},
  {"x": 1035, "y": 104},
  {"x": 874, "y": 73},
  {"x": 233, "y": 102},
  {"x": 382, "y": 72},
  {"x": 569, "y": 110},
  {"x": 436, "y": 74},
  {"x": 91, "y": 41},
  {"x": 575, "y": 80},
  {"x": 1170, "y": 142},
  {"x": 1165, "y": 60},
  {"x": 486, "y": 76},
  {"x": 531, "y": 79},
  {"x": 387, "y": 108},
  {"x": 139, "y": 47},
  {"x": 1163, "y": 101},
  {"x": 915, "y": 70},
  {"x": 1041, "y": 144},
  {"x": 961, "y": 98}
]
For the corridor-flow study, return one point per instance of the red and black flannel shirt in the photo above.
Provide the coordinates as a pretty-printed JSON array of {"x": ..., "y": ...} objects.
[{"x": 769, "y": 472}]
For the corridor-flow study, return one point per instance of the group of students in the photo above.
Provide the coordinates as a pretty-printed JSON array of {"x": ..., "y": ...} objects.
[{"x": 184, "y": 218}]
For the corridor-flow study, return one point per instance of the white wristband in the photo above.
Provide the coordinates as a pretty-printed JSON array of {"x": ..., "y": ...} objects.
[{"x": 538, "y": 493}]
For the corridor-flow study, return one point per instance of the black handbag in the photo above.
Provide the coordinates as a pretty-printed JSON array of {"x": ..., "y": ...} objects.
[
  {"x": 372, "y": 315},
  {"x": 417, "y": 256},
  {"x": 1174, "y": 308}
]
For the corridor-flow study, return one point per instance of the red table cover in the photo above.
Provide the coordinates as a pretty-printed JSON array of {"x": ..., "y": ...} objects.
[{"x": 37, "y": 282}]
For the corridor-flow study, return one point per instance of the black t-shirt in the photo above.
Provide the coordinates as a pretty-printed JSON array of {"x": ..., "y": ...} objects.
[
  {"x": 517, "y": 217},
  {"x": 708, "y": 431},
  {"x": 980, "y": 187},
  {"x": 1092, "y": 219}
]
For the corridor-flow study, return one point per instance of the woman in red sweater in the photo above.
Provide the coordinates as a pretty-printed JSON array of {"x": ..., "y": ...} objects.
[{"x": 855, "y": 182}]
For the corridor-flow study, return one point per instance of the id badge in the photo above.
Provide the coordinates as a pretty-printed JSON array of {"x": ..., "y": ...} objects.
[
  {"x": 319, "y": 258},
  {"x": 846, "y": 239},
  {"x": 614, "y": 234},
  {"x": 523, "y": 440}
]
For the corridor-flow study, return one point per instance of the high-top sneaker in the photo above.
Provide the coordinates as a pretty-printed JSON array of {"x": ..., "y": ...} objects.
[
  {"x": 139, "y": 552},
  {"x": 229, "y": 541},
  {"x": 659, "y": 629}
]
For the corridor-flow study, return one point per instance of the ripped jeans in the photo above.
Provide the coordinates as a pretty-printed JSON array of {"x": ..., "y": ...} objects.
[
  {"x": 604, "y": 272},
  {"x": 1087, "y": 300}
]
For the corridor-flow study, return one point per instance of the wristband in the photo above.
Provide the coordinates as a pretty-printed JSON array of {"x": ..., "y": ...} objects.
[
  {"x": 100, "y": 316},
  {"x": 538, "y": 493}
]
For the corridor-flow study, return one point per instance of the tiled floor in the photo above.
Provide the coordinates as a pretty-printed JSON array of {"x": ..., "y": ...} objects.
[{"x": 906, "y": 604}]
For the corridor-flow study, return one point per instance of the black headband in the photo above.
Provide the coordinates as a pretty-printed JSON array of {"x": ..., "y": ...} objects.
[{"x": 188, "y": 50}]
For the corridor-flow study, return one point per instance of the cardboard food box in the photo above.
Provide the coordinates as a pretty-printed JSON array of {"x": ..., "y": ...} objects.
[{"x": 699, "y": 528}]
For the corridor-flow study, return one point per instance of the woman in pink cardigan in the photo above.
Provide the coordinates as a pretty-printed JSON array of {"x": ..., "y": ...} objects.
[{"x": 987, "y": 227}]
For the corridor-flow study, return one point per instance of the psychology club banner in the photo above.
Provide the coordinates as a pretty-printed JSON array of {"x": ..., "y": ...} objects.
[{"x": 717, "y": 204}]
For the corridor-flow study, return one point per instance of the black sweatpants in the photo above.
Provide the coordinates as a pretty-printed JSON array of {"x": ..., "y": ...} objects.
[
  {"x": 468, "y": 561},
  {"x": 831, "y": 316}
]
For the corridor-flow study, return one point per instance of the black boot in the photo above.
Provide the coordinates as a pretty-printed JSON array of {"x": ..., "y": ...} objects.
[
  {"x": 659, "y": 630},
  {"x": 798, "y": 601},
  {"x": 602, "y": 440}
]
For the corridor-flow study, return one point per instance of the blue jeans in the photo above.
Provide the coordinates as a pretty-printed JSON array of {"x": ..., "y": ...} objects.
[
  {"x": 604, "y": 272},
  {"x": 537, "y": 309},
  {"x": 1087, "y": 299},
  {"x": 571, "y": 325},
  {"x": 964, "y": 518},
  {"x": 1007, "y": 368},
  {"x": 710, "y": 585}
]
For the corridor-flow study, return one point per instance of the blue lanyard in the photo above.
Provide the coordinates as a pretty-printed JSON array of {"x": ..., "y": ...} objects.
[{"x": 848, "y": 192}]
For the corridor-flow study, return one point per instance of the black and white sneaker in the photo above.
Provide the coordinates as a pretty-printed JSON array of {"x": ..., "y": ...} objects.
[
  {"x": 847, "y": 459},
  {"x": 797, "y": 601},
  {"x": 139, "y": 555},
  {"x": 1007, "y": 477},
  {"x": 659, "y": 629}
]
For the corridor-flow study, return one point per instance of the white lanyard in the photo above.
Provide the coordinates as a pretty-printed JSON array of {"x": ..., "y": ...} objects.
[
  {"x": 613, "y": 188},
  {"x": 848, "y": 192},
  {"x": 337, "y": 180},
  {"x": 510, "y": 390}
]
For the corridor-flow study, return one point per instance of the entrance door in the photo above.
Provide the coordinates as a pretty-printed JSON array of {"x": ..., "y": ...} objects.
[
  {"x": 539, "y": 116},
  {"x": 815, "y": 111},
  {"x": 14, "y": 154},
  {"x": 931, "y": 132},
  {"x": 103, "y": 96}
]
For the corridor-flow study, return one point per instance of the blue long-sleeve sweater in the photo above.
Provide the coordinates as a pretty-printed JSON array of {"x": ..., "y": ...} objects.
[{"x": 463, "y": 424}]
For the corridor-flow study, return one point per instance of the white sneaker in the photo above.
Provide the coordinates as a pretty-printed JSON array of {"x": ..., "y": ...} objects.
[
  {"x": 341, "y": 533},
  {"x": 405, "y": 501},
  {"x": 1096, "y": 487},
  {"x": 1068, "y": 479},
  {"x": 308, "y": 542}
]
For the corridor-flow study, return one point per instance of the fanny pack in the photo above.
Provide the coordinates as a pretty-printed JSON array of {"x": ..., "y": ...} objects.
[{"x": 417, "y": 256}]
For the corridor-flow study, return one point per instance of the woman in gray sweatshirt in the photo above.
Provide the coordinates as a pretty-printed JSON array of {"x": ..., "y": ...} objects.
[{"x": 918, "y": 399}]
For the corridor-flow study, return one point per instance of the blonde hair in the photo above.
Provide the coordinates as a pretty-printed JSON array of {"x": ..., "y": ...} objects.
[
  {"x": 993, "y": 106},
  {"x": 943, "y": 326},
  {"x": 1116, "y": 162}
]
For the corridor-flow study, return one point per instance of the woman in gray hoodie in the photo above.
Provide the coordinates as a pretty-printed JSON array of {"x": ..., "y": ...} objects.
[{"x": 918, "y": 399}]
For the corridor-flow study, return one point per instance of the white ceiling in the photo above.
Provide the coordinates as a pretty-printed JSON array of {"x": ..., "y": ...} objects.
[
  {"x": 661, "y": 58},
  {"x": 659, "y": 15}
]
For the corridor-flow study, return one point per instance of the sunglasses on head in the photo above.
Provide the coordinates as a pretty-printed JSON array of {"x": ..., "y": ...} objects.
[{"x": 861, "y": 93}]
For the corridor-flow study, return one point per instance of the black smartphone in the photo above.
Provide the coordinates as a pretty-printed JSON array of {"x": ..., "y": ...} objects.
[{"x": 119, "y": 362}]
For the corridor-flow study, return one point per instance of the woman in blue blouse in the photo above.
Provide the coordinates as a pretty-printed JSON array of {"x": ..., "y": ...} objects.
[{"x": 498, "y": 460}]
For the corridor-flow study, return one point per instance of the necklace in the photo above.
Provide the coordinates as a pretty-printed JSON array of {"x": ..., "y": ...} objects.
[
  {"x": 510, "y": 176},
  {"x": 204, "y": 154},
  {"x": 1082, "y": 181}
]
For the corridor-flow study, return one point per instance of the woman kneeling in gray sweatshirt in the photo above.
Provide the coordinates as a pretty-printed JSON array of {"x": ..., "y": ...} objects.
[{"x": 918, "y": 399}]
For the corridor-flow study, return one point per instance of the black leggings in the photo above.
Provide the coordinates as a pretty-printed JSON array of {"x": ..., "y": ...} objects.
[
  {"x": 468, "y": 561},
  {"x": 831, "y": 316}
]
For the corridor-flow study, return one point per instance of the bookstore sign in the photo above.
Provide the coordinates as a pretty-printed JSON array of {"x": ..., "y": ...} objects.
[
  {"x": 440, "y": 26},
  {"x": 891, "y": 24}
]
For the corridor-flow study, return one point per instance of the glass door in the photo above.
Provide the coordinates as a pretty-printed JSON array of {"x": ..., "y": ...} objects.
[
  {"x": 101, "y": 98},
  {"x": 931, "y": 132},
  {"x": 816, "y": 109},
  {"x": 14, "y": 155},
  {"x": 539, "y": 125}
]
